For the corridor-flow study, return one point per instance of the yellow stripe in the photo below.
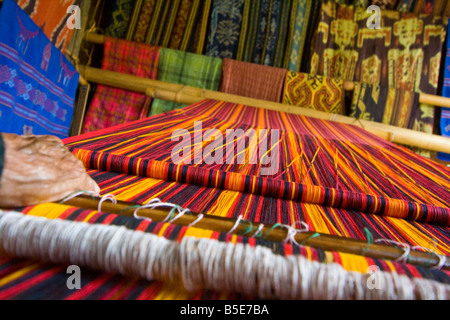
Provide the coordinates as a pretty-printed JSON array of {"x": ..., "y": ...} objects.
[{"x": 18, "y": 274}]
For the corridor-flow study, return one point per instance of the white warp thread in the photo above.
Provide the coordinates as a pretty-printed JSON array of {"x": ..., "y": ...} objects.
[{"x": 200, "y": 263}]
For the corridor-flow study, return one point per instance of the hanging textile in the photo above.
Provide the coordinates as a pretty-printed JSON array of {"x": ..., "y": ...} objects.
[
  {"x": 51, "y": 17},
  {"x": 440, "y": 8},
  {"x": 162, "y": 22},
  {"x": 404, "y": 54},
  {"x": 395, "y": 56},
  {"x": 445, "y": 112},
  {"x": 357, "y": 3},
  {"x": 188, "y": 69},
  {"x": 386, "y": 105},
  {"x": 385, "y": 4},
  {"x": 179, "y": 25},
  {"x": 38, "y": 84},
  {"x": 224, "y": 28},
  {"x": 140, "y": 20},
  {"x": 264, "y": 31},
  {"x": 252, "y": 80},
  {"x": 299, "y": 25},
  {"x": 119, "y": 18},
  {"x": 313, "y": 21},
  {"x": 315, "y": 92},
  {"x": 112, "y": 106}
]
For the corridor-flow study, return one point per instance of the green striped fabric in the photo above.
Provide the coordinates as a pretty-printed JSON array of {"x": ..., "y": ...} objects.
[{"x": 188, "y": 69}]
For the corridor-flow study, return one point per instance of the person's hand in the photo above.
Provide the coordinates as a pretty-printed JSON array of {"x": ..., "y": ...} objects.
[{"x": 39, "y": 169}]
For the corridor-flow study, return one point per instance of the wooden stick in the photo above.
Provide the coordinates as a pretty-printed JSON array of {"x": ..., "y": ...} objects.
[
  {"x": 312, "y": 239},
  {"x": 436, "y": 101},
  {"x": 188, "y": 95}
]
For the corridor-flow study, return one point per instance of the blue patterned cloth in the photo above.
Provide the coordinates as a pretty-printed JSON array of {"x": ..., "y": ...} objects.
[
  {"x": 37, "y": 83},
  {"x": 225, "y": 28},
  {"x": 445, "y": 115}
]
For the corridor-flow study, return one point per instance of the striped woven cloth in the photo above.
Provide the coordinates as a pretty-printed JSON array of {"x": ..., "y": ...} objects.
[
  {"x": 112, "y": 106},
  {"x": 252, "y": 80},
  {"x": 264, "y": 32},
  {"x": 188, "y": 69},
  {"x": 332, "y": 176},
  {"x": 180, "y": 24},
  {"x": 25, "y": 279}
]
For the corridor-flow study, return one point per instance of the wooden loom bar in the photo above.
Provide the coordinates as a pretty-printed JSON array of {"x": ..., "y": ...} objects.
[
  {"x": 312, "y": 239},
  {"x": 189, "y": 95},
  {"x": 436, "y": 101}
]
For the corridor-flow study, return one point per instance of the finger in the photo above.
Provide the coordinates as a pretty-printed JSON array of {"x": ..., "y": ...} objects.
[{"x": 91, "y": 185}]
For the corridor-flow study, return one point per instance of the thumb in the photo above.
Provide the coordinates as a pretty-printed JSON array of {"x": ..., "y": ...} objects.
[{"x": 90, "y": 185}]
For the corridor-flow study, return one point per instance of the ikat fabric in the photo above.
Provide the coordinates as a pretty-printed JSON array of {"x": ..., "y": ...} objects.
[
  {"x": 385, "y": 105},
  {"x": 37, "y": 83},
  {"x": 404, "y": 54},
  {"x": 445, "y": 112},
  {"x": 314, "y": 92},
  {"x": 225, "y": 28},
  {"x": 51, "y": 17}
]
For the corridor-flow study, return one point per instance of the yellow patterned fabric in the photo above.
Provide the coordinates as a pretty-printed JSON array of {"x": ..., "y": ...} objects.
[{"x": 314, "y": 92}]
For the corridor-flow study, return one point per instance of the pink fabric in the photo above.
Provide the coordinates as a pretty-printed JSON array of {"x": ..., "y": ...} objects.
[{"x": 111, "y": 106}]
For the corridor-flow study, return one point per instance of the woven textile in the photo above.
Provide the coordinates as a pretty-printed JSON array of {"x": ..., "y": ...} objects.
[
  {"x": 38, "y": 84},
  {"x": 252, "y": 80},
  {"x": 315, "y": 92},
  {"x": 404, "y": 54},
  {"x": 264, "y": 32},
  {"x": 51, "y": 17},
  {"x": 112, "y": 106},
  {"x": 385, "y": 4},
  {"x": 119, "y": 18},
  {"x": 445, "y": 112},
  {"x": 386, "y": 105},
  {"x": 439, "y": 8},
  {"x": 188, "y": 69},
  {"x": 37, "y": 280},
  {"x": 224, "y": 29},
  {"x": 319, "y": 180},
  {"x": 301, "y": 10},
  {"x": 180, "y": 25}
]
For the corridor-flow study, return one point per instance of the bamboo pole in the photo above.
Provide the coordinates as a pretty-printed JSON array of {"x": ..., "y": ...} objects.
[
  {"x": 312, "y": 239},
  {"x": 189, "y": 95},
  {"x": 436, "y": 101}
]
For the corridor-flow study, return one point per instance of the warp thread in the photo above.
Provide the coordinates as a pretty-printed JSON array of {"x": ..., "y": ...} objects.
[
  {"x": 200, "y": 263},
  {"x": 291, "y": 230}
]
